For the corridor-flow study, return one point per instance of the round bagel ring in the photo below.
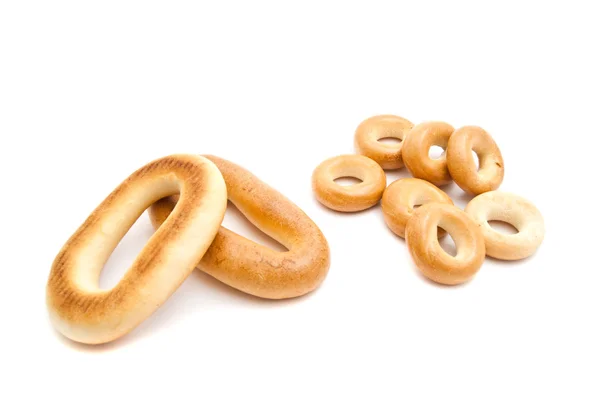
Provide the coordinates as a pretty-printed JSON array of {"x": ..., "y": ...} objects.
[
  {"x": 252, "y": 268},
  {"x": 415, "y": 152},
  {"x": 462, "y": 166},
  {"x": 512, "y": 209},
  {"x": 431, "y": 259},
  {"x": 370, "y": 131},
  {"x": 352, "y": 198},
  {"x": 82, "y": 311},
  {"x": 400, "y": 198}
]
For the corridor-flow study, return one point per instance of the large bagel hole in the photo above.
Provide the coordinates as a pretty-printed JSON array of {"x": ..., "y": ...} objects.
[
  {"x": 347, "y": 181},
  {"x": 390, "y": 140},
  {"x": 447, "y": 243},
  {"x": 476, "y": 159},
  {"x": 503, "y": 227},
  {"x": 436, "y": 152},
  {"x": 236, "y": 221},
  {"x": 125, "y": 253}
]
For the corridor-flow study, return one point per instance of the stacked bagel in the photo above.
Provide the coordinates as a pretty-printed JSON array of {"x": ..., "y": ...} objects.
[
  {"x": 436, "y": 215},
  {"x": 186, "y": 197}
]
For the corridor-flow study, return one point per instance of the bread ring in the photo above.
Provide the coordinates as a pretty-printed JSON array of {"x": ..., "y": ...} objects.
[
  {"x": 415, "y": 152},
  {"x": 400, "y": 198},
  {"x": 512, "y": 209},
  {"x": 83, "y": 312},
  {"x": 431, "y": 259},
  {"x": 462, "y": 166},
  {"x": 248, "y": 266},
  {"x": 351, "y": 198},
  {"x": 370, "y": 131}
]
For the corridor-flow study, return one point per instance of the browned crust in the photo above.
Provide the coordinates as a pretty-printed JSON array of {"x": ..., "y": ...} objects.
[
  {"x": 105, "y": 315},
  {"x": 372, "y": 129},
  {"x": 251, "y": 267}
]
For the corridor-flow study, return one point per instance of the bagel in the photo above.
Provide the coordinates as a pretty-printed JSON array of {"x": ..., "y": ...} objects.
[
  {"x": 83, "y": 312},
  {"x": 252, "y": 268},
  {"x": 462, "y": 166},
  {"x": 352, "y": 198},
  {"x": 400, "y": 198},
  {"x": 370, "y": 131},
  {"x": 512, "y": 209},
  {"x": 431, "y": 259},
  {"x": 415, "y": 152}
]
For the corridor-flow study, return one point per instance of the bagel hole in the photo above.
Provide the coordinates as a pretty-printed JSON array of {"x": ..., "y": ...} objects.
[
  {"x": 236, "y": 221},
  {"x": 125, "y": 253},
  {"x": 390, "y": 140},
  {"x": 448, "y": 245},
  {"x": 436, "y": 152},
  {"x": 503, "y": 227},
  {"x": 347, "y": 181},
  {"x": 417, "y": 206},
  {"x": 475, "y": 159}
]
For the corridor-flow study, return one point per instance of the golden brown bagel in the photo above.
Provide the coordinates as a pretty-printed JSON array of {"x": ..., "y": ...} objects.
[
  {"x": 512, "y": 209},
  {"x": 82, "y": 311},
  {"x": 431, "y": 259},
  {"x": 248, "y": 266},
  {"x": 400, "y": 198},
  {"x": 415, "y": 152},
  {"x": 370, "y": 131},
  {"x": 350, "y": 198},
  {"x": 462, "y": 166}
]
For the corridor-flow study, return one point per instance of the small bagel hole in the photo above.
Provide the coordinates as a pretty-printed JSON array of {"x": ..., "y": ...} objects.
[
  {"x": 503, "y": 227},
  {"x": 447, "y": 243},
  {"x": 475, "y": 159},
  {"x": 417, "y": 206},
  {"x": 436, "y": 152},
  {"x": 347, "y": 181},
  {"x": 389, "y": 140}
]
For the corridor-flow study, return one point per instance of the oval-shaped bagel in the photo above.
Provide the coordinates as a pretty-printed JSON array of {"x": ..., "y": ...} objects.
[
  {"x": 415, "y": 152},
  {"x": 253, "y": 268},
  {"x": 512, "y": 209},
  {"x": 402, "y": 196},
  {"x": 462, "y": 166},
  {"x": 431, "y": 259},
  {"x": 83, "y": 312},
  {"x": 352, "y": 198},
  {"x": 370, "y": 131}
]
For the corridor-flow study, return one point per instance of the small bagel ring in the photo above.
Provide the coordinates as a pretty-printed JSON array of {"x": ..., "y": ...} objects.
[
  {"x": 512, "y": 209},
  {"x": 248, "y": 266},
  {"x": 400, "y": 198},
  {"x": 351, "y": 198},
  {"x": 370, "y": 131},
  {"x": 431, "y": 259},
  {"x": 462, "y": 166},
  {"x": 415, "y": 152},
  {"x": 83, "y": 312}
]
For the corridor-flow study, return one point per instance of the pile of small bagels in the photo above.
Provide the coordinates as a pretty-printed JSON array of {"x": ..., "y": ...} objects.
[{"x": 418, "y": 210}]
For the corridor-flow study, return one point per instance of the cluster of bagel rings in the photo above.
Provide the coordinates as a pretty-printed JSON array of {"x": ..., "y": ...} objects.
[
  {"x": 186, "y": 197},
  {"x": 436, "y": 215}
]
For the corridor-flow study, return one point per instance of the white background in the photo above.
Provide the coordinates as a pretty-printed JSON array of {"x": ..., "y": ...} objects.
[{"x": 91, "y": 91}]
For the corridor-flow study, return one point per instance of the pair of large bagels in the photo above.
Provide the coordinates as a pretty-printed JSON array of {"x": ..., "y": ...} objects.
[{"x": 187, "y": 196}]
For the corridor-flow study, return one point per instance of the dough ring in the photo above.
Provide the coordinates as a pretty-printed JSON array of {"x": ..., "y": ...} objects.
[
  {"x": 352, "y": 198},
  {"x": 83, "y": 312},
  {"x": 512, "y": 209},
  {"x": 248, "y": 266}
]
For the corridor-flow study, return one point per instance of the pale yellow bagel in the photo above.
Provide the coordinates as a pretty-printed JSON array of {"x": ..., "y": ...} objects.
[
  {"x": 400, "y": 198},
  {"x": 462, "y": 166},
  {"x": 350, "y": 198},
  {"x": 370, "y": 131},
  {"x": 415, "y": 152},
  {"x": 512, "y": 209},
  {"x": 431, "y": 259},
  {"x": 248, "y": 266},
  {"x": 83, "y": 312}
]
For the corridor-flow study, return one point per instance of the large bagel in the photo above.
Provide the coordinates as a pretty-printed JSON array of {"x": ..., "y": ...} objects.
[
  {"x": 82, "y": 311},
  {"x": 248, "y": 266}
]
